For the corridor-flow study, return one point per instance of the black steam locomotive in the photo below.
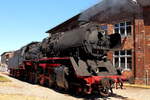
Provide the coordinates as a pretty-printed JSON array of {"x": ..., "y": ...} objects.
[{"x": 75, "y": 60}]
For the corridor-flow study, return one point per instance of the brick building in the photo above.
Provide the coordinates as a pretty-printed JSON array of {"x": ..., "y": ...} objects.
[
  {"x": 130, "y": 19},
  {"x": 5, "y": 56}
]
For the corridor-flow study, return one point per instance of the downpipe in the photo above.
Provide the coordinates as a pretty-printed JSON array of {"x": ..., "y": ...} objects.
[{"x": 147, "y": 77}]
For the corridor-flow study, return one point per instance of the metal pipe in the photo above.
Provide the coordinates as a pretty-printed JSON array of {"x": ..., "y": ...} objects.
[{"x": 146, "y": 82}]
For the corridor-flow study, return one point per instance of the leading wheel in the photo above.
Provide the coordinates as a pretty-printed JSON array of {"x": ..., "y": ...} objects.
[{"x": 104, "y": 92}]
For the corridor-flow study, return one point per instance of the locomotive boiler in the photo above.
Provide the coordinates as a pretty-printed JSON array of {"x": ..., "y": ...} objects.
[
  {"x": 87, "y": 42},
  {"x": 74, "y": 60}
]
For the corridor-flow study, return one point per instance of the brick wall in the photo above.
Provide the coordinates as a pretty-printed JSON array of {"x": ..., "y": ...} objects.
[
  {"x": 139, "y": 42},
  {"x": 142, "y": 48},
  {"x": 146, "y": 16},
  {"x": 139, "y": 51}
]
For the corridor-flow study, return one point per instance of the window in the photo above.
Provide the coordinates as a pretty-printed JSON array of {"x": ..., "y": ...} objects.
[
  {"x": 123, "y": 59},
  {"x": 124, "y": 28}
]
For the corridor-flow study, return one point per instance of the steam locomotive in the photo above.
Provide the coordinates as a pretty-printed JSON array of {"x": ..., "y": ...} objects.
[{"x": 74, "y": 60}]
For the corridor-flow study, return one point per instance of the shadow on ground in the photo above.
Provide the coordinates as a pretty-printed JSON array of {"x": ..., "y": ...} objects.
[
  {"x": 84, "y": 97},
  {"x": 91, "y": 96}
]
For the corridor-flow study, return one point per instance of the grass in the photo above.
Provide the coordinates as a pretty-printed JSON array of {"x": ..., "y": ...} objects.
[
  {"x": 4, "y": 79},
  {"x": 138, "y": 86}
]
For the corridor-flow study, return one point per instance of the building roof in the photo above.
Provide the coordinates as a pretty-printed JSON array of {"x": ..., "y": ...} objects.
[
  {"x": 6, "y": 53},
  {"x": 65, "y": 25}
]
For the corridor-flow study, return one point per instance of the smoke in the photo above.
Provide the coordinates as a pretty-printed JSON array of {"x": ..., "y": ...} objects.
[
  {"x": 109, "y": 9},
  {"x": 134, "y": 1},
  {"x": 144, "y": 3}
]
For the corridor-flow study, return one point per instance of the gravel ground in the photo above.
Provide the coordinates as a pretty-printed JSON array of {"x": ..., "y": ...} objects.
[{"x": 18, "y": 90}]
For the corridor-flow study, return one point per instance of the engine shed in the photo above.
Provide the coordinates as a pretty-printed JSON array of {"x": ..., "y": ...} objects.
[{"x": 131, "y": 19}]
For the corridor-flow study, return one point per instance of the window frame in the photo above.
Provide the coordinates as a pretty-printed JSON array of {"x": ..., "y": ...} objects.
[
  {"x": 118, "y": 26},
  {"x": 119, "y": 56}
]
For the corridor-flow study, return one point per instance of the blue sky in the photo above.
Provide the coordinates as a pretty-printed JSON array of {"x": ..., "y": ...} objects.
[{"x": 24, "y": 21}]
